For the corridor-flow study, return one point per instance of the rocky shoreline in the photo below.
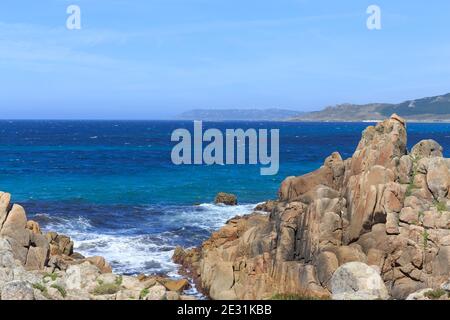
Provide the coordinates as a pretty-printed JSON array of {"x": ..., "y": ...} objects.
[
  {"x": 374, "y": 226},
  {"x": 37, "y": 266}
]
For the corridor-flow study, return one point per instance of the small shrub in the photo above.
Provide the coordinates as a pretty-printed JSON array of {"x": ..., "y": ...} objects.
[
  {"x": 61, "y": 290},
  {"x": 52, "y": 276},
  {"x": 118, "y": 281},
  {"x": 40, "y": 287},
  {"x": 435, "y": 294},
  {"x": 106, "y": 288},
  {"x": 411, "y": 185},
  {"x": 410, "y": 189},
  {"x": 143, "y": 293}
]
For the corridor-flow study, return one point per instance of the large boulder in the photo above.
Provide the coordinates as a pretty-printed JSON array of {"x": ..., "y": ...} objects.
[
  {"x": 15, "y": 226},
  {"x": 81, "y": 277},
  {"x": 326, "y": 265},
  {"x": 34, "y": 227},
  {"x": 157, "y": 292},
  {"x": 438, "y": 177},
  {"x": 426, "y": 148},
  {"x": 330, "y": 174},
  {"x": 226, "y": 198},
  {"x": 37, "y": 258},
  {"x": 100, "y": 263},
  {"x": 17, "y": 290},
  {"x": 176, "y": 285},
  {"x": 222, "y": 281},
  {"x": 14, "y": 229},
  {"x": 357, "y": 281},
  {"x": 5, "y": 198}
]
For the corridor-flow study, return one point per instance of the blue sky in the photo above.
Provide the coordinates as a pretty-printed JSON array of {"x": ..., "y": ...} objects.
[{"x": 145, "y": 59}]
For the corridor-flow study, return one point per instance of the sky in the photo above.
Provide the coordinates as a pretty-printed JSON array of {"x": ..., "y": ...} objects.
[{"x": 151, "y": 59}]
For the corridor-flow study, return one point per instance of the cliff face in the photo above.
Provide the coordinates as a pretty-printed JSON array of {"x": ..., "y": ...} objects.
[{"x": 382, "y": 207}]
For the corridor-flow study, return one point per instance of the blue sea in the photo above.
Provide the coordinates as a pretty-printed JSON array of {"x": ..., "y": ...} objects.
[{"x": 111, "y": 185}]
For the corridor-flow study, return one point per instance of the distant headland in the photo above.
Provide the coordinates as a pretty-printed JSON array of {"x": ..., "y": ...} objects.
[{"x": 430, "y": 109}]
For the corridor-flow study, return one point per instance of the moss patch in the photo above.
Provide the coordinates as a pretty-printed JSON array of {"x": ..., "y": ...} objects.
[
  {"x": 106, "y": 288},
  {"x": 435, "y": 294}
]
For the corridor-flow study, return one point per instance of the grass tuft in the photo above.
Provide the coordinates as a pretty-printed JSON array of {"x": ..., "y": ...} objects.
[
  {"x": 435, "y": 294},
  {"x": 52, "y": 276},
  {"x": 61, "y": 290},
  {"x": 119, "y": 280},
  {"x": 425, "y": 236},
  {"x": 40, "y": 287},
  {"x": 294, "y": 296},
  {"x": 441, "y": 206},
  {"x": 143, "y": 293}
]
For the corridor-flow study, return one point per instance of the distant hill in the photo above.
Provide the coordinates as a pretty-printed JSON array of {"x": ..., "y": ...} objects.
[
  {"x": 427, "y": 109},
  {"x": 238, "y": 114}
]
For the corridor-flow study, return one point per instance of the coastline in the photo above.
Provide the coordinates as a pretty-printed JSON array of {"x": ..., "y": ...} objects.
[
  {"x": 366, "y": 216},
  {"x": 436, "y": 121},
  {"x": 374, "y": 226},
  {"x": 37, "y": 265}
]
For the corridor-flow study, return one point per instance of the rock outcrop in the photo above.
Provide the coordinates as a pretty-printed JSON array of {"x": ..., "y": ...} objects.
[
  {"x": 37, "y": 266},
  {"x": 382, "y": 208},
  {"x": 357, "y": 281},
  {"x": 226, "y": 199}
]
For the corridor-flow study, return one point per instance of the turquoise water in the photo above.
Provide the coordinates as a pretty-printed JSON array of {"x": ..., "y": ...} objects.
[{"x": 111, "y": 185}]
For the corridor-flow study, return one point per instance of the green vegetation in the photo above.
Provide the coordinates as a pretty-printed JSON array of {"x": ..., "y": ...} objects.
[
  {"x": 410, "y": 189},
  {"x": 441, "y": 206},
  {"x": 425, "y": 236},
  {"x": 52, "y": 276},
  {"x": 411, "y": 185},
  {"x": 435, "y": 294},
  {"x": 61, "y": 290},
  {"x": 143, "y": 293},
  {"x": 294, "y": 296},
  {"x": 429, "y": 106},
  {"x": 106, "y": 288},
  {"x": 420, "y": 216},
  {"x": 40, "y": 287}
]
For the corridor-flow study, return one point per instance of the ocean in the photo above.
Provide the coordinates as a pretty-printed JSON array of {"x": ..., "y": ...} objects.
[{"x": 111, "y": 185}]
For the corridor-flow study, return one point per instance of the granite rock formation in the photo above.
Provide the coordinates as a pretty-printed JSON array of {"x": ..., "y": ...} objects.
[{"x": 383, "y": 207}]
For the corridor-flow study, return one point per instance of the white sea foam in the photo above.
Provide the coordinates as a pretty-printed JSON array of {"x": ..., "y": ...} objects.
[
  {"x": 212, "y": 217},
  {"x": 143, "y": 253}
]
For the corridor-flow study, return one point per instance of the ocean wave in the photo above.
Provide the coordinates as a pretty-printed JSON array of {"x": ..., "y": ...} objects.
[{"x": 145, "y": 244}]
